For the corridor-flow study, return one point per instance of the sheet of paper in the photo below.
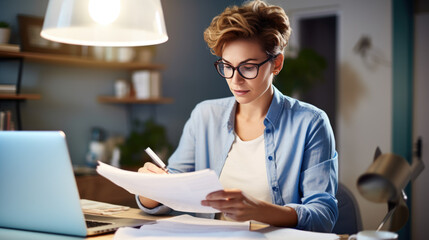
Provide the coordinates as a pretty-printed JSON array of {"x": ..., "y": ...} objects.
[
  {"x": 294, "y": 234},
  {"x": 187, "y": 222},
  {"x": 181, "y": 192},
  {"x": 188, "y": 227}
]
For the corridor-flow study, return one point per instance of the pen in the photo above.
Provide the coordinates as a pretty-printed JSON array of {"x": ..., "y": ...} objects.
[{"x": 156, "y": 159}]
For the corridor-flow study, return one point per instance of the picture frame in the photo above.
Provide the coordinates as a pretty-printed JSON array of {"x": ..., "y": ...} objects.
[{"x": 31, "y": 41}]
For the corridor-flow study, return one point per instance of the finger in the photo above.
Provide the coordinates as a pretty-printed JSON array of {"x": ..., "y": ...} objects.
[
  {"x": 143, "y": 170},
  {"x": 224, "y": 203},
  {"x": 151, "y": 168},
  {"x": 225, "y": 194}
]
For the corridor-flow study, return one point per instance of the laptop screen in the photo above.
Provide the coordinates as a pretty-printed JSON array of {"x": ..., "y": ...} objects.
[{"x": 38, "y": 188}]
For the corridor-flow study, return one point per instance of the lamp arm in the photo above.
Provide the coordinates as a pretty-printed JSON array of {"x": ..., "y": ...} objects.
[
  {"x": 397, "y": 212},
  {"x": 392, "y": 207}
]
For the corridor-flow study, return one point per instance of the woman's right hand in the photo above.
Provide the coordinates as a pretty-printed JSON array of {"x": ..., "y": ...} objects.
[{"x": 149, "y": 167}]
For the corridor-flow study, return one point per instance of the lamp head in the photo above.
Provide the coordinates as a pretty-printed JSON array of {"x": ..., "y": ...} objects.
[
  {"x": 384, "y": 181},
  {"x": 115, "y": 23}
]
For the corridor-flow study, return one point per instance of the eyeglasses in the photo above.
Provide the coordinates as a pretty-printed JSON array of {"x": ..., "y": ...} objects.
[{"x": 246, "y": 70}]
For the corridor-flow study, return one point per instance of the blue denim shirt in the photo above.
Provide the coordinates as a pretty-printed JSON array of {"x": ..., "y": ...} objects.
[{"x": 302, "y": 164}]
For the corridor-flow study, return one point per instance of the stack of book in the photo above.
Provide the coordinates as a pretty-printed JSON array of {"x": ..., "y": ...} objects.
[
  {"x": 7, "y": 88},
  {"x": 6, "y": 122}
]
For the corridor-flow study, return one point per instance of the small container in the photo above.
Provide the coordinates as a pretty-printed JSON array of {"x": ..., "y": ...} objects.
[{"x": 122, "y": 88}]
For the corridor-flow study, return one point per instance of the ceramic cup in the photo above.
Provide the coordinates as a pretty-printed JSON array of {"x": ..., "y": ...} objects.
[
  {"x": 374, "y": 235},
  {"x": 122, "y": 88},
  {"x": 125, "y": 54}
]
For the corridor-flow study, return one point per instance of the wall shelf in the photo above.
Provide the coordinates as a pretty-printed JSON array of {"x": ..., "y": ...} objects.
[
  {"x": 79, "y": 61},
  {"x": 133, "y": 100},
  {"x": 74, "y": 61}
]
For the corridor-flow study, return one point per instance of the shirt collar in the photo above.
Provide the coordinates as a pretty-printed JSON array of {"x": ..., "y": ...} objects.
[
  {"x": 276, "y": 108},
  {"x": 230, "y": 119}
]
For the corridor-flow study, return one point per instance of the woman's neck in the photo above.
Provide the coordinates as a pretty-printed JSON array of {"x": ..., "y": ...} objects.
[
  {"x": 257, "y": 109},
  {"x": 249, "y": 118}
]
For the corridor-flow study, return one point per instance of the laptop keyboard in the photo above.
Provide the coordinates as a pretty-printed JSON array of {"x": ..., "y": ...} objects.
[{"x": 91, "y": 224}]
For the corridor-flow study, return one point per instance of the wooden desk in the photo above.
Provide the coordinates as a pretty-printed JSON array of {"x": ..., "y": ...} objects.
[
  {"x": 132, "y": 213},
  {"x": 137, "y": 213}
]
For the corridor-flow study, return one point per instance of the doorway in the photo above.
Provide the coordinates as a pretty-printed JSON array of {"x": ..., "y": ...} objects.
[{"x": 320, "y": 34}]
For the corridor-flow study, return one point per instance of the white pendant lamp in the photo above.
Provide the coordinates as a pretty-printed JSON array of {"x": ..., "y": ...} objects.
[{"x": 115, "y": 23}]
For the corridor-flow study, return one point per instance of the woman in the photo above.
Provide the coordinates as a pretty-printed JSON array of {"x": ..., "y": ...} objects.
[{"x": 274, "y": 155}]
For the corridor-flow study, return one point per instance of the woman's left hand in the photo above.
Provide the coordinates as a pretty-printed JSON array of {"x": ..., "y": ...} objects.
[{"x": 234, "y": 204}]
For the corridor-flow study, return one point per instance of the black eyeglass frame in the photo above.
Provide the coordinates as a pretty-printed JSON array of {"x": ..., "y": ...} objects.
[{"x": 257, "y": 65}]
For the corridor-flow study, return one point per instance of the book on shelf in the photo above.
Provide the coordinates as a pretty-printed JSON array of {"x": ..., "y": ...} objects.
[
  {"x": 9, "y": 47},
  {"x": 8, "y": 88},
  {"x": 6, "y": 121}
]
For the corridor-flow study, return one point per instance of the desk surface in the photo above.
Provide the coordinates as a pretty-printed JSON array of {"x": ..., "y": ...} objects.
[
  {"x": 132, "y": 213},
  {"x": 137, "y": 213}
]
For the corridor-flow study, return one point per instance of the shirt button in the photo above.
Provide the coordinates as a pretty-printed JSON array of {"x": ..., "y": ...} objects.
[
  {"x": 268, "y": 131},
  {"x": 275, "y": 189},
  {"x": 270, "y": 158}
]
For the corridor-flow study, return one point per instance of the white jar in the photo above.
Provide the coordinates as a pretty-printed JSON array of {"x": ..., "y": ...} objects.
[{"x": 122, "y": 88}]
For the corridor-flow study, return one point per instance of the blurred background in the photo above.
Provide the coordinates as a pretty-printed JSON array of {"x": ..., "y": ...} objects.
[{"x": 373, "y": 83}]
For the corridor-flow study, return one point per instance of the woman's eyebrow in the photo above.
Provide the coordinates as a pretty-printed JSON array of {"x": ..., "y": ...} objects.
[{"x": 249, "y": 59}]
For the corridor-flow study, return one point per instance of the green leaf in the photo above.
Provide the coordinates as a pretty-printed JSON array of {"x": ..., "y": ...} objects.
[
  {"x": 299, "y": 74},
  {"x": 143, "y": 135}
]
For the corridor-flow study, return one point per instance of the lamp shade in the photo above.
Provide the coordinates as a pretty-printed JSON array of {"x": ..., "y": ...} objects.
[
  {"x": 105, "y": 22},
  {"x": 385, "y": 178}
]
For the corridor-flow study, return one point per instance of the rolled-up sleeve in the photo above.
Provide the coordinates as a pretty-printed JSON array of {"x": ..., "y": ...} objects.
[
  {"x": 318, "y": 210},
  {"x": 317, "y": 174},
  {"x": 159, "y": 210}
]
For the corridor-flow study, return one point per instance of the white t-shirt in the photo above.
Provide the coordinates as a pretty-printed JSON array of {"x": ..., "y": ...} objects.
[{"x": 245, "y": 168}]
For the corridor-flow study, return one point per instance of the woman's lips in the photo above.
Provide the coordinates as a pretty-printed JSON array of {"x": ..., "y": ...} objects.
[{"x": 241, "y": 92}]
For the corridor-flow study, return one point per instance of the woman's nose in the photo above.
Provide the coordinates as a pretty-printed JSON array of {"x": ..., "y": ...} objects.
[{"x": 237, "y": 78}]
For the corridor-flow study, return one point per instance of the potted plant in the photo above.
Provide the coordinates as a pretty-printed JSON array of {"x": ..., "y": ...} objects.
[
  {"x": 4, "y": 32},
  {"x": 300, "y": 72},
  {"x": 143, "y": 135}
]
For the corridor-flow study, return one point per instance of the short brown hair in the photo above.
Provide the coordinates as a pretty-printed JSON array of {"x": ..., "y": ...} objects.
[{"x": 268, "y": 24}]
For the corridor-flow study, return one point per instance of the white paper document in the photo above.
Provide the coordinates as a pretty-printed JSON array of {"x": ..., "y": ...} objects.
[
  {"x": 181, "y": 192},
  {"x": 187, "y": 227},
  {"x": 295, "y": 234}
]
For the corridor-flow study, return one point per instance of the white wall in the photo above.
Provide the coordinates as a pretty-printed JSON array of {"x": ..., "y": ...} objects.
[{"x": 364, "y": 87}]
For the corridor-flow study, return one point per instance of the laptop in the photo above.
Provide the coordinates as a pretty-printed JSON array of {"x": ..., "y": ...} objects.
[{"x": 38, "y": 191}]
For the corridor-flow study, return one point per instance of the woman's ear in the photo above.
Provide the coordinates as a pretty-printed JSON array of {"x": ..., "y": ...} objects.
[{"x": 278, "y": 63}]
